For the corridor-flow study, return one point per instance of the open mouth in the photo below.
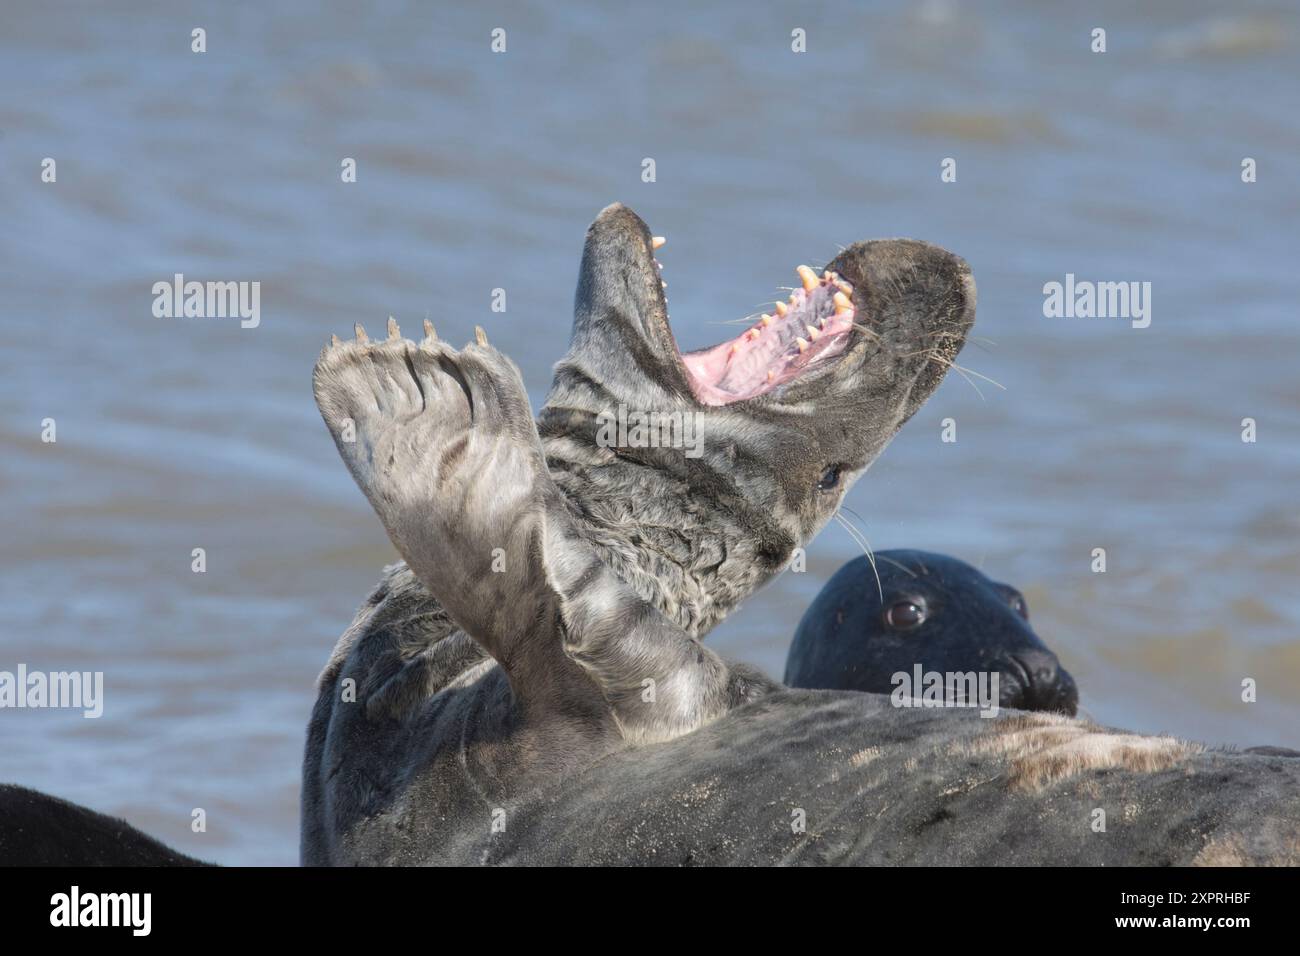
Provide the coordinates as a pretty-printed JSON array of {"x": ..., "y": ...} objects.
[{"x": 808, "y": 330}]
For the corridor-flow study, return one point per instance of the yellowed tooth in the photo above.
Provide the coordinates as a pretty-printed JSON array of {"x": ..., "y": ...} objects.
[
  {"x": 771, "y": 374},
  {"x": 393, "y": 331},
  {"x": 808, "y": 277},
  {"x": 752, "y": 334},
  {"x": 735, "y": 347},
  {"x": 803, "y": 344},
  {"x": 844, "y": 287},
  {"x": 361, "y": 333},
  {"x": 334, "y": 340},
  {"x": 429, "y": 332},
  {"x": 782, "y": 308},
  {"x": 765, "y": 320},
  {"x": 813, "y": 333},
  {"x": 842, "y": 303},
  {"x": 657, "y": 241},
  {"x": 480, "y": 336}
]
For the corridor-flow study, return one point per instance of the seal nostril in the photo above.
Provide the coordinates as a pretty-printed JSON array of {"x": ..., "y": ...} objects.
[
  {"x": 1047, "y": 686},
  {"x": 1040, "y": 666}
]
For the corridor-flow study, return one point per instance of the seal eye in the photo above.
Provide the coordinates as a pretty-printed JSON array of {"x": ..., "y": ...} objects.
[
  {"x": 905, "y": 615},
  {"x": 1019, "y": 606},
  {"x": 829, "y": 479}
]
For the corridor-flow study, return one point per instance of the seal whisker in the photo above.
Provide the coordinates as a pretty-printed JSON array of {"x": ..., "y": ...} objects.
[
  {"x": 863, "y": 543},
  {"x": 964, "y": 372},
  {"x": 872, "y": 557}
]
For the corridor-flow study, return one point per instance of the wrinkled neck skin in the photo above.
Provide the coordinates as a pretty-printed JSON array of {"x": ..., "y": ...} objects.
[{"x": 683, "y": 541}]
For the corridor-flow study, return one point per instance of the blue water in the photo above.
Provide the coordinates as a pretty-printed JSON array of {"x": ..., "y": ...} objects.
[{"x": 479, "y": 170}]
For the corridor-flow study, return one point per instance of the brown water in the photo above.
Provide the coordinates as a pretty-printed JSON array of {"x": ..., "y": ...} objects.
[{"x": 480, "y": 170}]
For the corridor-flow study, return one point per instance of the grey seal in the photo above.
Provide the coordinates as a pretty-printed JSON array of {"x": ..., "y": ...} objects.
[
  {"x": 613, "y": 562},
  {"x": 530, "y": 685},
  {"x": 40, "y": 830},
  {"x": 875, "y": 621},
  {"x": 555, "y": 589}
]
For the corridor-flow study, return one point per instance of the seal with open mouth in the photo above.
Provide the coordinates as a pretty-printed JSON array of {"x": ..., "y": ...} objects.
[
  {"x": 555, "y": 589},
  {"x": 531, "y": 686},
  {"x": 872, "y": 622}
]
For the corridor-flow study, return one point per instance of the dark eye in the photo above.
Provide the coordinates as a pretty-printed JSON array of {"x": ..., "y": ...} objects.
[
  {"x": 905, "y": 615},
  {"x": 829, "y": 479},
  {"x": 1019, "y": 606}
]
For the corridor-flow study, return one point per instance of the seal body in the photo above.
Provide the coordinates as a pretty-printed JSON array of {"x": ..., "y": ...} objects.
[
  {"x": 927, "y": 611},
  {"x": 40, "y": 830}
]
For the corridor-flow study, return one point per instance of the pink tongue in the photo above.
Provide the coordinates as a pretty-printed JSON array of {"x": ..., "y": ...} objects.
[{"x": 777, "y": 349}]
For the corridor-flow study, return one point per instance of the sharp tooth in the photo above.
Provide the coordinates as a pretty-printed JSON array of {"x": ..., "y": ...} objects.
[
  {"x": 657, "y": 241},
  {"x": 782, "y": 308},
  {"x": 842, "y": 303},
  {"x": 808, "y": 277},
  {"x": 752, "y": 334},
  {"x": 766, "y": 319},
  {"x": 813, "y": 333},
  {"x": 393, "y": 331},
  {"x": 429, "y": 332},
  {"x": 334, "y": 340},
  {"x": 361, "y": 333},
  {"x": 480, "y": 336},
  {"x": 803, "y": 344}
]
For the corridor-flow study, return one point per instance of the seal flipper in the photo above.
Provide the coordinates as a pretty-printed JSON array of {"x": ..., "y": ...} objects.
[{"x": 444, "y": 446}]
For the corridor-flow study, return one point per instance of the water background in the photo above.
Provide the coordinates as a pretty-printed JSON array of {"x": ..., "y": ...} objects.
[{"x": 481, "y": 170}]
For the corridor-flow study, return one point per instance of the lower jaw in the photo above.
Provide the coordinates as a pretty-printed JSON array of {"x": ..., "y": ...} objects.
[{"x": 808, "y": 331}]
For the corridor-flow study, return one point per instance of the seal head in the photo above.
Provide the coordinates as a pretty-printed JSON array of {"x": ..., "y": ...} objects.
[{"x": 929, "y": 610}]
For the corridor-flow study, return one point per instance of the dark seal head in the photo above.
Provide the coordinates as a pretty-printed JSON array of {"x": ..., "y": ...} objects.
[{"x": 932, "y": 610}]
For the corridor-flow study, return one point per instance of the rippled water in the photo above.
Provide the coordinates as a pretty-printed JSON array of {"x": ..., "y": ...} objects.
[{"x": 480, "y": 170}]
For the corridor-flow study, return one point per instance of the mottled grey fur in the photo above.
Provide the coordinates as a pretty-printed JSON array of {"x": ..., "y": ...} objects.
[
  {"x": 617, "y": 561},
  {"x": 812, "y": 777}
]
